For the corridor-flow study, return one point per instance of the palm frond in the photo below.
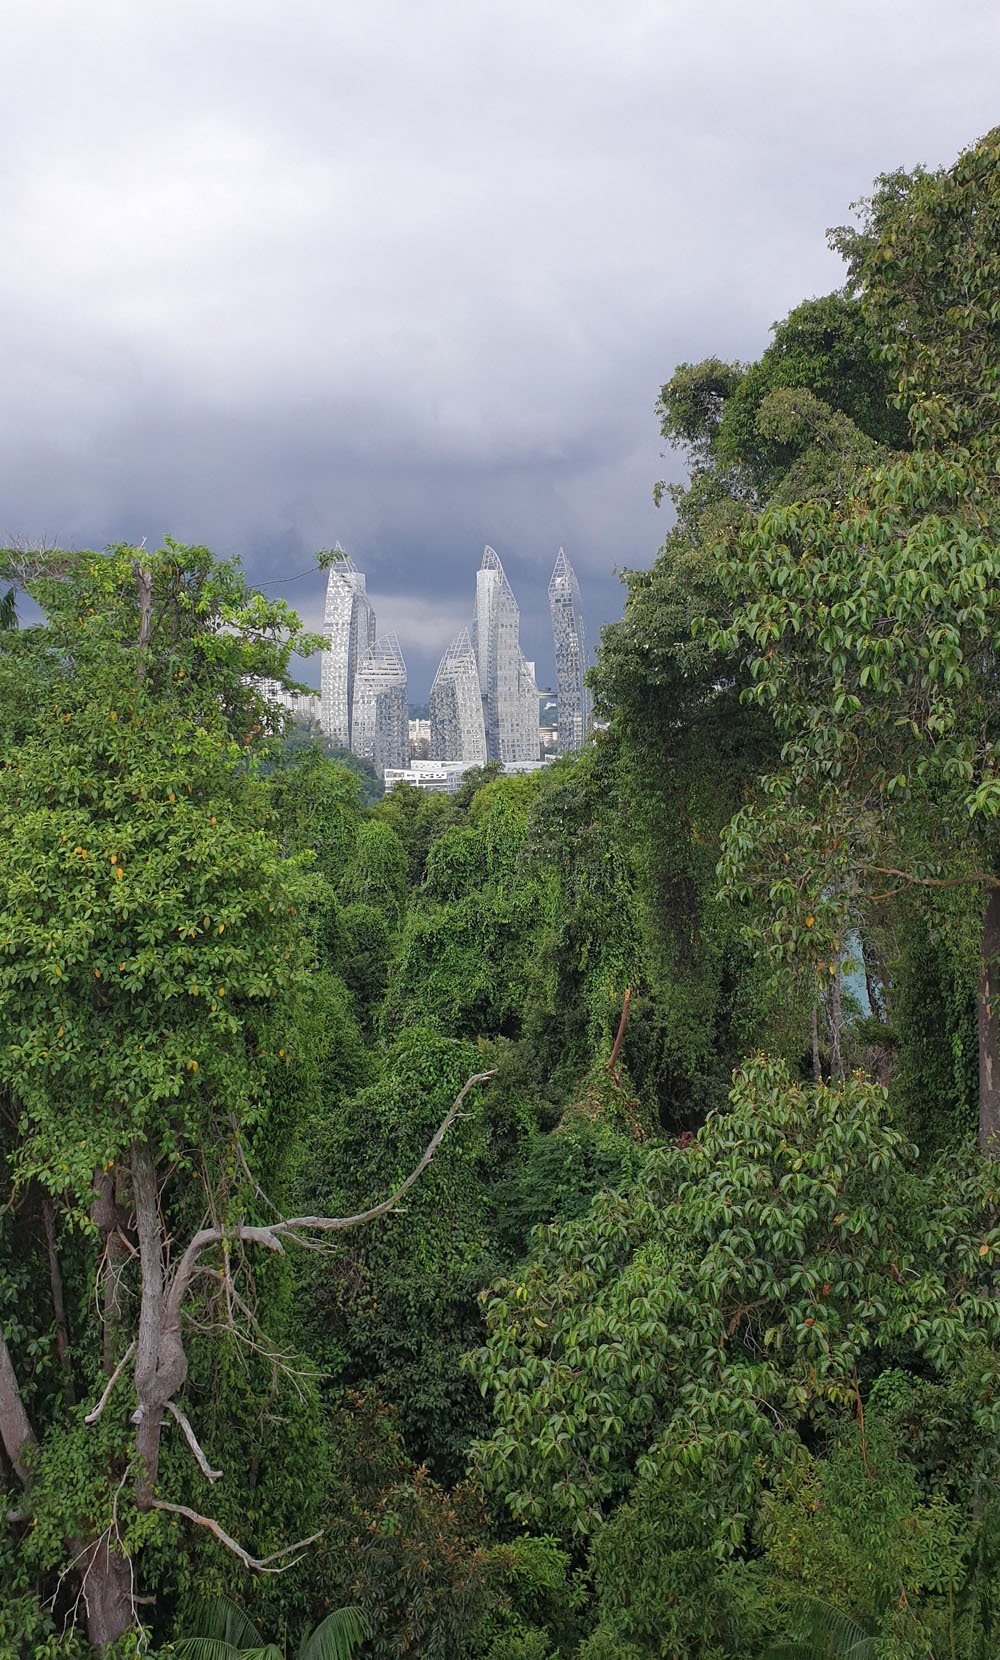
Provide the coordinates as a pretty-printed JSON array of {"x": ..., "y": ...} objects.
[
  {"x": 8, "y": 611},
  {"x": 205, "y": 1648},
  {"x": 223, "y": 1621},
  {"x": 214, "y": 1648},
  {"x": 823, "y": 1632},
  {"x": 336, "y": 1637}
]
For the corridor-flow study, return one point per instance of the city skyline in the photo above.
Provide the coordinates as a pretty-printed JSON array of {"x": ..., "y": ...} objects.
[{"x": 484, "y": 702}]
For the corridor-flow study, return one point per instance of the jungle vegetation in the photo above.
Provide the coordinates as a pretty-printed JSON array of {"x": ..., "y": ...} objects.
[{"x": 558, "y": 1221}]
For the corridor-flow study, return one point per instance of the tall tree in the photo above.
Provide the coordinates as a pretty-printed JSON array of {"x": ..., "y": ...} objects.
[
  {"x": 870, "y": 624},
  {"x": 156, "y": 998}
]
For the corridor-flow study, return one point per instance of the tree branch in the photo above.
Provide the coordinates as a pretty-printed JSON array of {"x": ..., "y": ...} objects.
[
  {"x": 193, "y": 1443},
  {"x": 270, "y": 1235},
  {"x": 979, "y": 878},
  {"x": 92, "y": 1417},
  {"x": 259, "y": 1564}
]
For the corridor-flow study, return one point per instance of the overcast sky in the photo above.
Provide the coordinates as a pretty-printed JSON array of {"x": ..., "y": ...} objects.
[{"x": 409, "y": 273}]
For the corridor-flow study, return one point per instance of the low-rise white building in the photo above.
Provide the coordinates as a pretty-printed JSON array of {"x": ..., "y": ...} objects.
[{"x": 447, "y": 776}]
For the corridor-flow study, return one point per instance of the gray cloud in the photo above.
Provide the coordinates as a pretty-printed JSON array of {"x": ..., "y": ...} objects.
[{"x": 409, "y": 276}]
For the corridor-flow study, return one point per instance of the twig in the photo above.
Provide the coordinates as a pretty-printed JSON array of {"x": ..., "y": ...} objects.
[
  {"x": 259, "y": 1564},
  {"x": 192, "y": 1441},
  {"x": 92, "y": 1417}
]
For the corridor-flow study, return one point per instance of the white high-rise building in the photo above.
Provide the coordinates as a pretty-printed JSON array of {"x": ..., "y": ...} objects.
[
  {"x": 380, "y": 725},
  {"x": 458, "y": 732},
  {"x": 506, "y": 681},
  {"x": 574, "y": 701},
  {"x": 349, "y": 626}
]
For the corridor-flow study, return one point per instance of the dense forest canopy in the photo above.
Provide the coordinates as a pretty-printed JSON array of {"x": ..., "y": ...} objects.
[{"x": 557, "y": 1221}]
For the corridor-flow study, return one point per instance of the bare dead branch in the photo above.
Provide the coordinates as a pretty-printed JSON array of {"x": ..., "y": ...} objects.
[
  {"x": 92, "y": 1417},
  {"x": 259, "y": 1564},
  {"x": 270, "y": 1235},
  {"x": 193, "y": 1443},
  {"x": 977, "y": 878}
]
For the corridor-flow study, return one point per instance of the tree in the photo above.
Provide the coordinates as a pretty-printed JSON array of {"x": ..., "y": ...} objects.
[
  {"x": 157, "y": 996},
  {"x": 870, "y": 624},
  {"x": 675, "y": 1349}
]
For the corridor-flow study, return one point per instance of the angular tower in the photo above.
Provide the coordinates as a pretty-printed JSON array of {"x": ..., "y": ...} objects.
[
  {"x": 380, "y": 732},
  {"x": 349, "y": 625},
  {"x": 527, "y": 705},
  {"x": 456, "y": 706},
  {"x": 504, "y": 676},
  {"x": 573, "y": 696}
]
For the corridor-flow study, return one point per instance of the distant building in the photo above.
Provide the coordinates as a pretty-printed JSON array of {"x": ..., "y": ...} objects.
[
  {"x": 420, "y": 739},
  {"x": 443, "y": 776},
  {"x": 302, "y": 706},
  {"x": 457, "y": 728},
  {"x": 349, "y": 626},
  {"x": 506, "y": 679},
  {"x": 575, "y": 714},
  {"x": 446, "y": 776},
  {"x": 380, "y": 722}
]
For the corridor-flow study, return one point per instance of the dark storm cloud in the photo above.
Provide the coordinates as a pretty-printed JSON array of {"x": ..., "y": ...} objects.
[{"x": 410, "y": 276}]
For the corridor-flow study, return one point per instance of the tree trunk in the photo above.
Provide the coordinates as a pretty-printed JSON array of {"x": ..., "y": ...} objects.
[
  {"x": 105, "y": 1574},
  {"x": 160, "y": 1361},
  {"x": 58, "y": 1300},
  {"x": 112, "y": 1219},
  {"x": 15, "y": 1430},
  {"x": 107, "y": 1578},
  {"x": 835, "y": 1016},
  {"x": 989, "y": 1020}
]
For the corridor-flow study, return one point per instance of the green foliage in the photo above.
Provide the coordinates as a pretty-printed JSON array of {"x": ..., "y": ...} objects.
[
  {"x": 318, "y": 804},
  {"x": 225, "y": 1632},
  {"x": 416, "y": 816},
  {"x": 466, "y": 963},
  {"x": 375, "y": 874},
  {"x": 149, "y": 924},
  {"x": 400, "y": 1304},
  {"x": 411, "y": 1554},
  {"x": 854, "y": 1531},
  {"x": 691, "y": 1321}
]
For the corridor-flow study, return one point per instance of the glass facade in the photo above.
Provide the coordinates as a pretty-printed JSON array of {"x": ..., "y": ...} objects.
[
  {"x": 349, "y": 626},
  {"x": 572, "y": 694},
  {"x": 380, "y": 724},
  {"x": 506, "y": 679},
  {"x": 458, "y": 732}
]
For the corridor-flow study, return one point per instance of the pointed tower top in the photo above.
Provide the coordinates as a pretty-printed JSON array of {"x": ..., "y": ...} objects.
[
  {"x": 563, "y": 575},
  {"x": 384, "y": 656}
]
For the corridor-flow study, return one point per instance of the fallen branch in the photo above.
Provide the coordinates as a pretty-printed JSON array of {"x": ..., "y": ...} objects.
[{"x": 259, "y": 1564}]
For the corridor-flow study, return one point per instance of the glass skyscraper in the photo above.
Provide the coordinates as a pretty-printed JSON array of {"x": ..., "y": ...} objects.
[
  {"x": 458, "y": 732},
  {"x": 380, "y": 730},
  {"x": 349, "y": 625},
  {"x": 506, "y": 680},
  {"x": 572, "y": 694}
]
